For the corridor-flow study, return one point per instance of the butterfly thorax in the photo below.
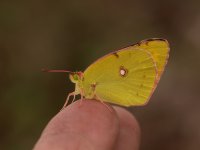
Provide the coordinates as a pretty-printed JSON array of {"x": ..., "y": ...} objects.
[{"x": 84, "y": 87}]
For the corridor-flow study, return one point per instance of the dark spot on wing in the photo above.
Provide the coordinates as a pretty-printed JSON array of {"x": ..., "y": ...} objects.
[
  {"x": 149, "y": 40},
  {"x": 116, "y": 55},
  {"x": 155, "y": 39},
  {"x": 93, "y": 86},
  {"x": 138, "y": 43}
]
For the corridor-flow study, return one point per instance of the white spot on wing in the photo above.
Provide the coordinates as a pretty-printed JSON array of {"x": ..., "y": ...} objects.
[{"x": 122, "y": 72}]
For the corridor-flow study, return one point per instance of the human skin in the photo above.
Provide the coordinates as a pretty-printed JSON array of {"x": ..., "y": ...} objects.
[{"x": 90, "y": 126}]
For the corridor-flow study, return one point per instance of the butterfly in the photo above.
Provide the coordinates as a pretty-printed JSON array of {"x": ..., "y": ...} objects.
[{"x": 126, "y": 77}]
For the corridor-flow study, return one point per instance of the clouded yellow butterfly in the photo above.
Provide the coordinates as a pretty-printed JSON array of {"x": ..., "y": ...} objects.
[{"x": 126, "y": 77}]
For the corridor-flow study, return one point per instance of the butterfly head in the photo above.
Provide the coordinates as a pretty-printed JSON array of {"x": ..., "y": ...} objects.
[{"x": 76, "y": 77}]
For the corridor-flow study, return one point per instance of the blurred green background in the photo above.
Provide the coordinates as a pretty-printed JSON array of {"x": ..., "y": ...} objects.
[{"x": 71, "y": 35}]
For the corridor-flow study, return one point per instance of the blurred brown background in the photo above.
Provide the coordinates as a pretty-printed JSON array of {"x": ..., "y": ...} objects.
[{"x": 71, "y": 35}]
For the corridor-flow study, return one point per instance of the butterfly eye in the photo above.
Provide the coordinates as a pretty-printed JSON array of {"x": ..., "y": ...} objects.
[
  {"x": 74, "y": 77},
  {"x": 123, "y": 71}
]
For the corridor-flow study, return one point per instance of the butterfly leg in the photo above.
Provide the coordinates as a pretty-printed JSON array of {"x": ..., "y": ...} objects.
[
  {"x": 67, "y": 99},
  {"x": 74, "y": 96},
  {"x": 81, "y": 100}
]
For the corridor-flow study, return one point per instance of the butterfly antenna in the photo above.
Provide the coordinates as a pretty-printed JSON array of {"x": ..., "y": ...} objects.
[{"x": 47, "y": 70}]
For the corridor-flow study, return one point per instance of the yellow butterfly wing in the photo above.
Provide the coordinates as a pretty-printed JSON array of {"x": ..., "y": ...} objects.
[
  {"x": 159, "y": 49},
  {"x": 126, "y": 77}
]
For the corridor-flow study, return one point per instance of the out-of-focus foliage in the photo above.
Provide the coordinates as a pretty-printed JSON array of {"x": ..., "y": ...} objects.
[{"x": 71, "y": 35}]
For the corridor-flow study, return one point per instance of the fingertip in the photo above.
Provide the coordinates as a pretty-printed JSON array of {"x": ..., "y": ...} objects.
[
  {"x": 83, "y": 124},
  {"x": 127, "y": 118},
  {"x": 129, "y": 134}
]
